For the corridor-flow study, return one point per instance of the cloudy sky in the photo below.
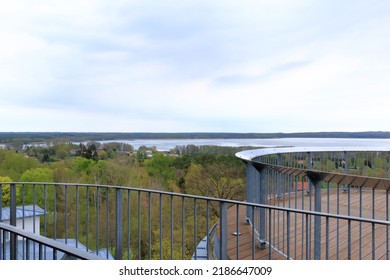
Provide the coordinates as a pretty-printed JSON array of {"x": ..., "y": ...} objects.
[{"x": 194, "y": 66}]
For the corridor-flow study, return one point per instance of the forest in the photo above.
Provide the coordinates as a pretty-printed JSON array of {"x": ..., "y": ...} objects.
[{"x": 211, "y": 171}]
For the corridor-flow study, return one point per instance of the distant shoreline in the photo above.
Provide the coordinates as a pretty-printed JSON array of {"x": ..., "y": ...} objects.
[{"x": 28, "y": 137}]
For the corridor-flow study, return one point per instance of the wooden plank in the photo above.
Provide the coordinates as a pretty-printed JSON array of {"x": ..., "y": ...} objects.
[{"x": 360, "y": 233}]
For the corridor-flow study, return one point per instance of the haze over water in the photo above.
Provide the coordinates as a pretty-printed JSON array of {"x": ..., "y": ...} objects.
[{"x": 167, "y": 144}]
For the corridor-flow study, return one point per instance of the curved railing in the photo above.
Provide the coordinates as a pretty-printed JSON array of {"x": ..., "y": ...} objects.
[
  {"x": 302, "y": 203},
  {"x": 350, "y": 182}
]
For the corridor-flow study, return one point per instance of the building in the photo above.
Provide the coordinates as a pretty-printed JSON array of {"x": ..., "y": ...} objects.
[{"x": 27, "y": 218}]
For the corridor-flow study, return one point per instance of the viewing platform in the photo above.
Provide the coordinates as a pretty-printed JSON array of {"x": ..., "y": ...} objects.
[{"x": 301, "y": 203}]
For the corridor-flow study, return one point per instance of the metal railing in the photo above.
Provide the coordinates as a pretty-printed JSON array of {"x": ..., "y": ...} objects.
[
  {"x": 301, "y": 204},
  {"x": 34, "y": 246},
  {"x": 348, "y": 189}
]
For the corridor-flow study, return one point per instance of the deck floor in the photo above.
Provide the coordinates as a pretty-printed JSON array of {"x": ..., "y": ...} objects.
[{"x": 339, "y": 238}]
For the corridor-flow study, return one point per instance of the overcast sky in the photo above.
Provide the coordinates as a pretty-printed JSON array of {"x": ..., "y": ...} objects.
[{"x": 194, "y": 66}]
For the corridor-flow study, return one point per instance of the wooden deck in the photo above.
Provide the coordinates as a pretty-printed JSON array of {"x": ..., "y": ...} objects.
[{"x": 339, "y": 238}]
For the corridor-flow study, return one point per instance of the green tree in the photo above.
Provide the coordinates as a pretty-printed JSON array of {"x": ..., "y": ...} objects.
[
  {"x": 5, "y": 190},
  {"x": 160, "y": 166},
  {"x": 215, "y": 180}
]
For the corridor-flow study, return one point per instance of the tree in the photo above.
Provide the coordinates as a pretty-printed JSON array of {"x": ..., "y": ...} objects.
[
  {"x": 215, "y": 180},
  {"x": 160, "y": 166},
  {"x": 33, "y": 194},
  {"x": 5, "y": 190},
  {"x": 88, "y": 152}
]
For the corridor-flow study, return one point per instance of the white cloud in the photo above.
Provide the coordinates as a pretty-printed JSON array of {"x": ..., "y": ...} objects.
[{"x": 194, "y": 65}]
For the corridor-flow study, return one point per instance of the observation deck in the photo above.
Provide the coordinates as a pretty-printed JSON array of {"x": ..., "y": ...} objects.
[{"x": 301, "y": 203}]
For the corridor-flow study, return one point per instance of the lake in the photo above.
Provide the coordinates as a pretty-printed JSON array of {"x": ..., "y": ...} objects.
[{"x": 167, "y": 144}]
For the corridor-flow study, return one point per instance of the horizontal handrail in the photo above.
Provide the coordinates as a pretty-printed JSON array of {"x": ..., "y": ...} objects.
[
  {"x": 51, "y": 243},
  {"x": 227, "y": 201},
  {"x": 249, "y": 155}
]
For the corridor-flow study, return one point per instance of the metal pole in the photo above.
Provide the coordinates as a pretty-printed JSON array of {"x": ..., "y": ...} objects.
[
  {"x": 118, "y": 224},
  {"x": 223, "y": 235},
  {"x": 250, "y": 173},
  {"x": 262, "y": 211},
  {"x": 317, "y": 221},
  {"x": 13, "y": 237}
]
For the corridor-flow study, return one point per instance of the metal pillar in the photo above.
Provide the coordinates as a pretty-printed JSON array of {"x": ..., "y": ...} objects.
[
  {"x": 316, "y": 179},
  {"x": 250, "y": 187},
  {"x": 223, "y": 234},
  {"x": 261, "y": 198}
]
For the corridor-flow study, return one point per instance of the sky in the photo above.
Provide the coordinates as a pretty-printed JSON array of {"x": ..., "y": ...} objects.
[{"x": 194, "y": 66}]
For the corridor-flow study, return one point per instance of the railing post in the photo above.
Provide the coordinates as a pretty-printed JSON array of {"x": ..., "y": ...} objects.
[
  {"x": 250, "y": 186},
  {"x": 280, "y": 163},
  {"x": 13, "y": 237},
  {"x": 316, "y": 179},
  {"x": 346, "y": 186},
  {"x": 309, "y": 167},
  {"x": 118, "y": 224},
  {"x": 223, "y": 234},
  {"x": 317, "y": 221},
  {"x": 1, "y": 202},
  {"x": 261, "y": 198}
]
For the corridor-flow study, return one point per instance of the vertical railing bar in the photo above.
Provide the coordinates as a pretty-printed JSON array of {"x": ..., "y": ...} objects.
[
  {"x": 1, "y": 233},
  {"x": 253, "y": 233},
  {"x": 45, "y": 213},
  {"x": 373, "y": 240},
  {"x": 149, "y": 226},
  {"x": 237, "y": 231},
  {"x": 208, "y": 228},
  {"x": 161, "y": 221},
  {"x": 1, "y": 206},
  {"x": 13, "y": 237},
  {"x": 349, "y": 240},
  {"x": 118, "y": 225},
  {"x": 327, "y": 219},
  {"x": 34, "y": 203},
  {"x": 108, "y": 222},
  {"x": 283, "y": 220},
  {"x": 270, "y": 234},
  {"x": 223, "y": 227},
  {"x": 66, "y": 214},
  {"x": 23, "y": 209},
  {"x": 77, "y": 216},
  {"x": 338, "y": 222},
  {"x": 327, "y": 238},
  {"x": 373, "y": 225},
  {"x": 296, "y": 215},
  {"x": 308, "y": 242},
  {"x": 55, "y": 254},
  {"x": 373, "y": 203},
  {"x": 97, "y": 204},
  {"x": 139, "y": 225},
  {"x": 55, "y": 212},
  {"x": 3, "y": 251},
  {"x": 288, "y": 234},
  {"x": 27, "y": 249},
  {"x": 360, "y": 223},
  {"x": 182, "y": 227},
  {"x": 195, "y": 230},
  {"x": 40, "y": 251},
  {"x": 44, "y": 208},
  {"x": 172, "y": 226},
  {"x": 387, "y": 227},
  {"x": 87, "y": 216},
  {"x": 128, "y": 225},
  {"x": 107, "y": 225}
]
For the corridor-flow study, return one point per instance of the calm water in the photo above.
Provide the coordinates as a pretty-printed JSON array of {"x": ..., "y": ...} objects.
[{"x": 165, "y": 145}]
